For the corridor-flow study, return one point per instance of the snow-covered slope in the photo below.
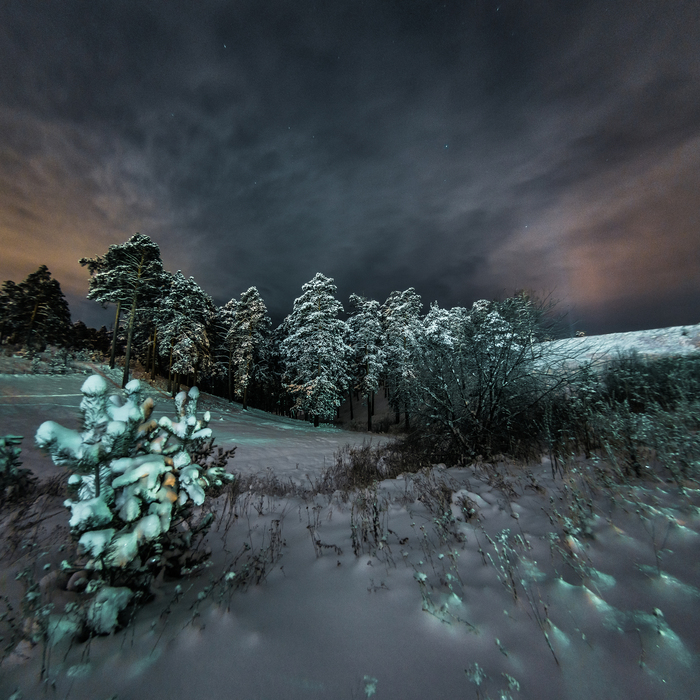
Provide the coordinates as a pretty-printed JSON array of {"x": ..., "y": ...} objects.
[
  {"x": 676, "y": 340},
  {"x": 426, "y": 588}
]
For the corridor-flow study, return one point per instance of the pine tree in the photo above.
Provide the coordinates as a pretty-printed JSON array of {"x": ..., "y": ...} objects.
[
  {"x": 401, "y": 340},
  {"x": 367, "y": 357},
  {"x": 129, "y": 274},
  {"x": 35, "y": 312},
  {"x": 11, "y": 305},
  {"x": 144, "y": 345},
  {"x": 183, "y": 322},
  {"x": 223, "y": 322},
  {"x": 315, "y": 354},
  {"x": 278, "y": 398},
  {"x": 86, "y": 338},
  {"x": 248, "y": 335},
  {"x": 444, "y": 325}
]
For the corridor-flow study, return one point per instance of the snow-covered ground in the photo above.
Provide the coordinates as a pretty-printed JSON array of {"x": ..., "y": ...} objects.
[
  {"x": 381, "y": 595},
  {"x": 675, "y": 340}
]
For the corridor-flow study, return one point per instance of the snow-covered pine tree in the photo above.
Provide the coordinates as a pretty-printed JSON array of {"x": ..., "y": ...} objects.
[
  {"x": 10, "y": 304},
  {"x": 183, "y": 327},
  {"x": 35, "y": 311},
  {"x": 47, "y": 308},
  {"x": 401, "y": 340},
  {"x": 443, "y": 325},
  {"x": 144, "y": 344},
  {"x": 365, "y": 333},
  {"x": 314, "y": 351},
  {"x": 248, "y": 335},
  {"x": 224, "y": 347},
  {"x": 134, "y": 481},
  {"x": 131, "y": 275},
  {"x": 90, "y": 339},
  {"x": 277, "y": 397}
]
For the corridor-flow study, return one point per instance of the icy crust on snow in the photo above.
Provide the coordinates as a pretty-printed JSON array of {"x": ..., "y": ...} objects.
[{"x": 444, "y": 600}]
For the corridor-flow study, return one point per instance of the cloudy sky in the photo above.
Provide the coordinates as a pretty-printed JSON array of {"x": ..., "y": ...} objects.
[{"x": 467, "y": 149}]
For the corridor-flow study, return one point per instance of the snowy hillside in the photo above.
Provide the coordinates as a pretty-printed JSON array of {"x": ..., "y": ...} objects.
[
  {"x": 485, "y": 581},
  {"x": 676, "y": 340}
]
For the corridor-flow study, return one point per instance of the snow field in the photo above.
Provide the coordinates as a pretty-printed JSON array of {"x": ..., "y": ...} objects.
[{"x": 395, "y": 600}]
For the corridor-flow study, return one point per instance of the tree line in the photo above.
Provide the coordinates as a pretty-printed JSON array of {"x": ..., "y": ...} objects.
[{"x": 448, "y": 368}]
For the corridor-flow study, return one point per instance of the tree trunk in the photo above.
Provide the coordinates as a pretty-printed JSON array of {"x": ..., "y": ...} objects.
[
  {"x": 372, "y": 403},
  {"x": 247, "y": 380},
  {"x": 31, "y": 323},
  {"x": 408, "y": 424},
  {"x": 369, "y": 413},
  {"x": 147, "y": 364},
  {"x": 316, "y": 421},
  {"x": 153, "y": 369},
  {"x": 230, "y": 381},
  {"x": 114, "y": 336},
  {"x": 350, "y": 397},
  {"x": 132, "y": 316},
  {"x": 170, "y": 366}
]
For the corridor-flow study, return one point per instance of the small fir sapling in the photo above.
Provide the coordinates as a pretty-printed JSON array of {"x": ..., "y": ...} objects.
[
  {"x": 15, "y": 482},
  {"x": 135, "y": 480}
]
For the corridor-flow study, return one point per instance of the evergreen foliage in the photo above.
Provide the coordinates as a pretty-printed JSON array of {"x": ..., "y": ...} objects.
[
  {"x": 34, "y": 312},
  {"x": 85, "y": 338},
  {"x": 401, "y": 341},
  {"x": 247, "y": 339},
  {"x": 314, "y": 352},
  {"x": 15, "y": 482},
  {"x": 133, "y": 480},
  {"x": 225, "y": 345},
  {"x": 11, "y": 304},
  {"x": 278, "y": 398},
  {"x": 183, "y": 322},
  {"x": 367, "y": 359},
  {"x": 130, "y": 275}
]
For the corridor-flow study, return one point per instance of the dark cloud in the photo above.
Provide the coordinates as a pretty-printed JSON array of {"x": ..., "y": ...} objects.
[{"x": 465, "y": 149}]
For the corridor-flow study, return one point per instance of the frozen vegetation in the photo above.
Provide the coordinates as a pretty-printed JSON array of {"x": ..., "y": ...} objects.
[
  {"x": 520, "y": 521},
  {"x": 553, "y": 579}
]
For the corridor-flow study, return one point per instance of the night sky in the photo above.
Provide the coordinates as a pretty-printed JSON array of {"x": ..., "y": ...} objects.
[{"x": 467, "y": 149}]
